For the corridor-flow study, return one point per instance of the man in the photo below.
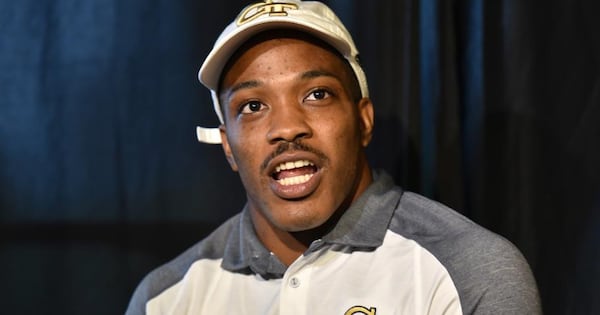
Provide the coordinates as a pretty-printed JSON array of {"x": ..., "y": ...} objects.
[{"x": 321, "y": 232}]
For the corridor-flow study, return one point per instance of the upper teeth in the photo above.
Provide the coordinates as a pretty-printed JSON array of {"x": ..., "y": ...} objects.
[{"x": 292, "y": 165}]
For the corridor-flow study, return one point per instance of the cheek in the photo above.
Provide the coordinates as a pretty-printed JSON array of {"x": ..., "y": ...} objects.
[
  {"x": 245, "y": 148},
  {"x": 345, "y": 133}
]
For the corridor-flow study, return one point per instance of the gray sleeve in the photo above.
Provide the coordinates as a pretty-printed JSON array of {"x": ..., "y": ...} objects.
[
  {"x": 137, "y": 304},
  {"x": 167, "y": 275},
  {"x": 490, "y": 274},
  {"x": 498, "y": 280},
  {"x": 162, "y": 278},
  {"x": 153, "y": 284}
]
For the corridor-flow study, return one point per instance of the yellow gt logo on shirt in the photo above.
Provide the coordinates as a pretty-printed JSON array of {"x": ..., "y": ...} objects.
[{"x": 361, "y": 310}]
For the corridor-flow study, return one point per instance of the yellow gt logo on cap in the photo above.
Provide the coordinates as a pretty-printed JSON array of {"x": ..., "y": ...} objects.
[{"x": 262, "y": 8}]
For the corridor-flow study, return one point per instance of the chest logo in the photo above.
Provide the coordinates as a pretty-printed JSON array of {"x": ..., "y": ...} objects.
[
  {"x": 267, "y": 7},
  {"x": 361, "y": 310}
]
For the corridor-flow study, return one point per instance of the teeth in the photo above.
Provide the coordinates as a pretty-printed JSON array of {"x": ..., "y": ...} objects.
[
  {"x": 292, "y": 165},
  {"x": 296, "y": 180}
]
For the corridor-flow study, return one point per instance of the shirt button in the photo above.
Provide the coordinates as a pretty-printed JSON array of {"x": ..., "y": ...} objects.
[{"x": 294, "y": 282}]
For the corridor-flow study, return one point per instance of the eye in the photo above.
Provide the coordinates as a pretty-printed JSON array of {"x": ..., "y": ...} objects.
[
  {"x": 318, "y": 94},
  {"x": 251, "y": 107}
]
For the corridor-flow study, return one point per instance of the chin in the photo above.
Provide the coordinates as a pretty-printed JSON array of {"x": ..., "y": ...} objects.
[{"x": 300, "y": 221}]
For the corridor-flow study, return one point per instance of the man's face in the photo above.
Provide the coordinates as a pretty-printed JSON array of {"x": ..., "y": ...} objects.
[{"x": 294, "y": 133}]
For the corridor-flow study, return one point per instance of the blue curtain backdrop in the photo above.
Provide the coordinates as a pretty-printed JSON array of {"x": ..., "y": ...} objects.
[{"x": 489, "y": 107}]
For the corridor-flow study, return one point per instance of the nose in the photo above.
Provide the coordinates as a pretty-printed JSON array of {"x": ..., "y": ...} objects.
[{"x": 288, "y": 123}]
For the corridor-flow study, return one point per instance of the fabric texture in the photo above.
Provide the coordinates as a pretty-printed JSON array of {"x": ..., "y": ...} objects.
[
  {"x": 490, "y": 107},
  {"x": 391, "y": 251}
]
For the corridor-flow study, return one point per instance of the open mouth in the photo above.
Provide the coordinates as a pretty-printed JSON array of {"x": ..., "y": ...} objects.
[{"x": 294, "y": 172}]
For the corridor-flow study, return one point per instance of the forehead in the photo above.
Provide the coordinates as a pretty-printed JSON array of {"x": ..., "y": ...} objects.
[{"x": 265, "y": 41}]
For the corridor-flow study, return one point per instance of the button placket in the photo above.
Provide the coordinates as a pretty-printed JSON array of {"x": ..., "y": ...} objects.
[
  {"x": 294, "y": 291},
  {"x": 294, "y": 282}
]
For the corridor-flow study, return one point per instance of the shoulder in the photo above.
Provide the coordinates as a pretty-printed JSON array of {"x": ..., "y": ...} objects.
[
  {"x": 489, "y": 272},
  {"x": 169, "y": 274}
]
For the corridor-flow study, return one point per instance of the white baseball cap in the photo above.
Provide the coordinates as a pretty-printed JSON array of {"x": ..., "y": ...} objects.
[{"x": 312, "y": 17}]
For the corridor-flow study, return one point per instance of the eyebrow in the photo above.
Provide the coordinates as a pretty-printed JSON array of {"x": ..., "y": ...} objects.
[
  {"x": 305, "y": 76},
  {"x": 318, "y": 73},
  {"x": 243, "y": 85}
]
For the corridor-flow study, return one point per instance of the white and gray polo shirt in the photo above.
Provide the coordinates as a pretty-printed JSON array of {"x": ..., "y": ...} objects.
[{"x": 392, "y": 252}]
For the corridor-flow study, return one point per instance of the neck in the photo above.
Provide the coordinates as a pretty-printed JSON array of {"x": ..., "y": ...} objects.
[
  {"x": 285, "y": 245},
  {"x": 288, "y": 246}
]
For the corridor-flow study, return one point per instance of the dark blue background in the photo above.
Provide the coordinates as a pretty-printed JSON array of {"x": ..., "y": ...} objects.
[{"x": 491, "y": 108}]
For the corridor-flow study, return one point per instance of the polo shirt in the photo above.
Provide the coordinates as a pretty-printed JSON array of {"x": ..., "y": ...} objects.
[{"x": 391, "y": 252}]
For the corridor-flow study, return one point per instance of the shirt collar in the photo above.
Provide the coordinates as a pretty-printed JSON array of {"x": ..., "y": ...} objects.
[
  {"x": 362, "y": 226},
  {"x": 365, "y": 223},
  {"x": 245, "y": 253}
]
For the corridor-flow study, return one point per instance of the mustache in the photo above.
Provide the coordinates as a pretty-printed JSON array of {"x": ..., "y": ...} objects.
[{"x": 296, "y": 145}]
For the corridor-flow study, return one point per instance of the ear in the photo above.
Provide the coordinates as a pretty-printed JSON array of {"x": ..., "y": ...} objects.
[
  {"x": 365, "y": 112},
  {"x": 227, "y": 148}
]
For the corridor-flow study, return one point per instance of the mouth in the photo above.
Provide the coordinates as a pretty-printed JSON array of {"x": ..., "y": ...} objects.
[
  {"x": 295, "y": 179},
  {"x": 294, "y": 172}
]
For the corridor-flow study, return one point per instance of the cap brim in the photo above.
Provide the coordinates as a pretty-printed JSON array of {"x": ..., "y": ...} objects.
[
  {"x": 210, "y": 72},
  {"x": 208, "y": 135}
]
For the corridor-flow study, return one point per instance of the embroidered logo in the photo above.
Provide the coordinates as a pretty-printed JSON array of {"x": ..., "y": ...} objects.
[
  {"x": 361, "y": 310},
  {"x": 267, "y": 7}
]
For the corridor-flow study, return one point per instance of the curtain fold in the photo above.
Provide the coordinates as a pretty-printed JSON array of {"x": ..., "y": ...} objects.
[{"x": 491, "y": 107}]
